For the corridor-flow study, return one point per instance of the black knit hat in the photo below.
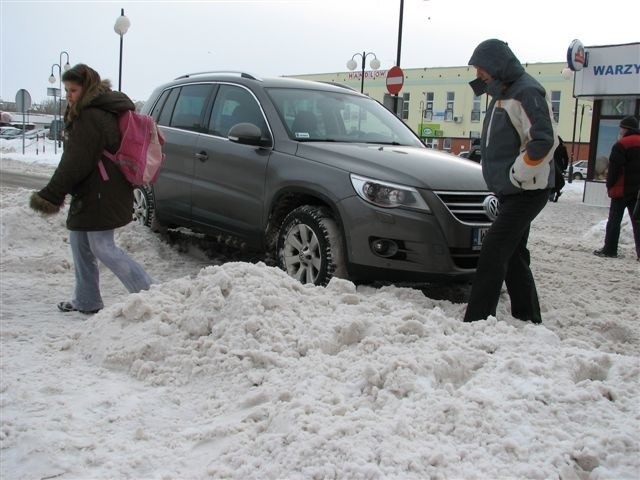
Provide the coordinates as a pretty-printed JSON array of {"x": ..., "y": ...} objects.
[{"x": 630, "y": 123}]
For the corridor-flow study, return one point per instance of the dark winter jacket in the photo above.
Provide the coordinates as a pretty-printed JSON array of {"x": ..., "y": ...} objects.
[
  {"x": 96, "y": 204},
  {"x": 518, "y": 134},
  {"x": 624, "y": 161}
]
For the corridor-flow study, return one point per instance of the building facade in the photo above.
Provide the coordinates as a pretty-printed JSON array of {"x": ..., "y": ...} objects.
[{"x": 439, "y": 105}]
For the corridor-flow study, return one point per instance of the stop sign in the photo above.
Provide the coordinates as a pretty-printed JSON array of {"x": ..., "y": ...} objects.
[{"x": 395, "y": 80}]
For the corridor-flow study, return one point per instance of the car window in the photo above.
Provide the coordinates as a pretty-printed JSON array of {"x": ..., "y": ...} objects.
[
  {"x": 190, "y": 107},
  {"x": 233, "y": 105},
  {"x": 167, "y": 108},
  {"x": 157, "y": 108},
  {"x": 318, "y": 115}
]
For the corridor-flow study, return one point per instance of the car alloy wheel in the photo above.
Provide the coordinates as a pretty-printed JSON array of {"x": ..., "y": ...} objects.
[
  {"x": 144, "y": 207},
  {"x": 310, "y": 246}
]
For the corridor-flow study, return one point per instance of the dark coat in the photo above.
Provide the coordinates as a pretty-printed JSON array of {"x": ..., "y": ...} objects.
[
  {"x": 96, "y": 204},
  {"x": 624, "y": 165}
]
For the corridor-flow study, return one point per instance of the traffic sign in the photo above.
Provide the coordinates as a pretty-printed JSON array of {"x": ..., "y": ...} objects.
[
  {"x": 23, "y": 100},
  {"x": 395, "y": 80}
]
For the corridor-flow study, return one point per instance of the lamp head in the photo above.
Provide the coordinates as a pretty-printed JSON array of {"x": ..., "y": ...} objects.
[
  {"x": 567, "y": 73},
  {"x": 122, "y": 25},
  {"x": 52, "y": 79},
  {"x": 351, "y": 64},
  {"x": 375, "y": 64}
]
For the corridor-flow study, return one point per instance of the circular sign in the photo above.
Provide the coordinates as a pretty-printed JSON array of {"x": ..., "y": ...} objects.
[
  {"x": 395, "y": 80},
  {"x": 23, "y": 100},
  {"x": 575, "y": 56}
]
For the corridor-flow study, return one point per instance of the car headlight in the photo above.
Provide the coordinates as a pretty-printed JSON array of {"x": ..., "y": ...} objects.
[{"x": 387, "y": 195}]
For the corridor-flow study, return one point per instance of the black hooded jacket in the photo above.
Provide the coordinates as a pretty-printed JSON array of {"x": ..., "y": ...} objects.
[
  {"x": 518, "y": 134},
  {"x": 96, "y": 204}
]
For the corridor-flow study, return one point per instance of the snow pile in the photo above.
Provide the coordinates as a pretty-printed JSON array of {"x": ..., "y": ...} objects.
[{"x": 237, "y": 371}]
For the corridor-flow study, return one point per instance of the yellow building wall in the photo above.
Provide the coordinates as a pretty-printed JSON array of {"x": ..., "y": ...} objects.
[{"x": 441, "y": 80}]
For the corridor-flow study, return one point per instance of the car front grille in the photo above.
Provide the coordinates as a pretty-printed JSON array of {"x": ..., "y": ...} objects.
[{"x": 466, "y": 207}]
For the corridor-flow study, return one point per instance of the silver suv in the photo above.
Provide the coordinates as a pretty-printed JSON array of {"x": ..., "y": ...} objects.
[{"x": 326, "y": 179}]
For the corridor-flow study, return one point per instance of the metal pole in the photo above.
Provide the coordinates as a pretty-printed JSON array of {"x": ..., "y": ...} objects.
[
  {"x": 22, "y": 101},
  {"x": 580, "y": 132},
  {"x": 400, "y": 33},
  {"x": 59, "y": 140},
  {"x": 573, "y": 142},
  {"x": 120, "y": 69},
  {"x": 60, "y": 99},
  {"x": 364, "y": 55},
  {"x": 55, "y": 123},
  {"x": 395, "y": 100}
]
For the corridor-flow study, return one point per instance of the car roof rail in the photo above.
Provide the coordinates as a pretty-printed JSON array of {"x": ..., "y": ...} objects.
[{"x": 234, "y": 72}]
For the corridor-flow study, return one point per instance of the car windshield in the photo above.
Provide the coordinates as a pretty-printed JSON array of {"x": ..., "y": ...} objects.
[{"x": 322, "y": 116}]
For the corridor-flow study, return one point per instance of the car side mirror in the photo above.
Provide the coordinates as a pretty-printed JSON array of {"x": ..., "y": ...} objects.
[{"x": 247, "y": 134}]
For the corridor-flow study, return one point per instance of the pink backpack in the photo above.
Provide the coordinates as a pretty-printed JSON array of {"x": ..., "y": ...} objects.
[{"x": 140, "y": 155}]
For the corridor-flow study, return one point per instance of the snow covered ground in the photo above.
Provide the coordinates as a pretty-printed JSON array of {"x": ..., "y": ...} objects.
[{"x": 236, "y": 371}]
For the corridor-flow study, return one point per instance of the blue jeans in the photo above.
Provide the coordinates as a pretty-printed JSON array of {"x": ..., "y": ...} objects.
[
  {"x": 504, "y": 258},
  {"x": 89, "y": 247}
]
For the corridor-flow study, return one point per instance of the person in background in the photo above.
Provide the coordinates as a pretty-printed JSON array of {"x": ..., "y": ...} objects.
[
  {"x": 560, "y": 164},
  {"x": 97, "y": 206},
  {"x": 623, "y": 185},
  {"x": 517, "y": 154}
]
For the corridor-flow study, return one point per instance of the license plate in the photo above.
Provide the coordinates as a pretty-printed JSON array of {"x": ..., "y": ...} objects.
[{"x": 478, "y": 237}]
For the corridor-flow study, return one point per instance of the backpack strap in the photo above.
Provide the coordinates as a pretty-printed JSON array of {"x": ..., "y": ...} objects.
[{"x": 103, "y": 171}]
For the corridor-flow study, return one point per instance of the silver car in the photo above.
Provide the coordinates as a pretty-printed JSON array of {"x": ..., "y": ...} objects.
[
  {"x": 579, "y": 169},
  {"x": 326, "y": 179}
]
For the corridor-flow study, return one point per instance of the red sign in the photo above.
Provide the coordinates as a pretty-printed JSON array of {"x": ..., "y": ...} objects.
[{"x": 395, "y": 80}]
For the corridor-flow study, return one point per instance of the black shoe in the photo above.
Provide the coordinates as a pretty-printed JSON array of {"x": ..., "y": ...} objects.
[
  {"x": 68, "y": 307},
  {"x": 603, "y": 253}
]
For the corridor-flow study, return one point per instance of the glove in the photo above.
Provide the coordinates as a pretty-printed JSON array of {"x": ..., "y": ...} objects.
[{"x": 41, "y": 205}]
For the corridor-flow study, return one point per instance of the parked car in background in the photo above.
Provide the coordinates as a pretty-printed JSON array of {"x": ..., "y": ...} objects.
[
  {"x": 325, "y": 179},
  {"x": 10, "y": 132},
  {"x": 473, "y": 154},
  {"x": 56, "y": 130},
  {"x": 579, "y": 170}
]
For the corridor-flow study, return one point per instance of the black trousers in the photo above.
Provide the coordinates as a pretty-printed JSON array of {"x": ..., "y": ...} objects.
[
  {"x": 612, "y": 233},
  {"x": 505, "y": 258}
]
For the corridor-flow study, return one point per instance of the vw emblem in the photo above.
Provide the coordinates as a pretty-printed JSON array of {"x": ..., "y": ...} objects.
[{"x": 491, "y": 206}]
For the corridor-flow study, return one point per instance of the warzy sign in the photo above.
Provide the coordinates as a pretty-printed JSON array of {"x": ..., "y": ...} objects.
[{"x": 609, "y": 70}]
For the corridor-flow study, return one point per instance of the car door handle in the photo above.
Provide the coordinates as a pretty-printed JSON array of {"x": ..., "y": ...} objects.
[{"x": 202, "y": 156}]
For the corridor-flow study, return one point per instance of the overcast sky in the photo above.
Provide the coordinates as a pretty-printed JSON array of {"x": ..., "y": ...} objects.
[{"x": 282, "y": 37}]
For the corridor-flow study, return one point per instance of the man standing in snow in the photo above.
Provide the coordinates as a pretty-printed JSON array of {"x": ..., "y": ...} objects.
[
  {"x": 623, "y": 183},
  {"x": 518, "y": 141}
]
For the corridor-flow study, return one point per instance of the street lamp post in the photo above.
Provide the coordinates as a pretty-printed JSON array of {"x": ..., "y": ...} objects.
[
  {"x": 52, "y": 80},
  {"x": 66, "y": 67},
  {"x": 567, "y": 74},
  {"x": 121, "y": 27},
  {"x": 374, "y": 64},
  {"x": 57, "y": 142}
]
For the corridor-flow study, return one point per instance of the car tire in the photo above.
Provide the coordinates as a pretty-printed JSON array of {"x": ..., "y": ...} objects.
[
  {"x": 577, "y": 176},
  {"x": 310, "y": 247},
  {"x": 144, "y": 207}
]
